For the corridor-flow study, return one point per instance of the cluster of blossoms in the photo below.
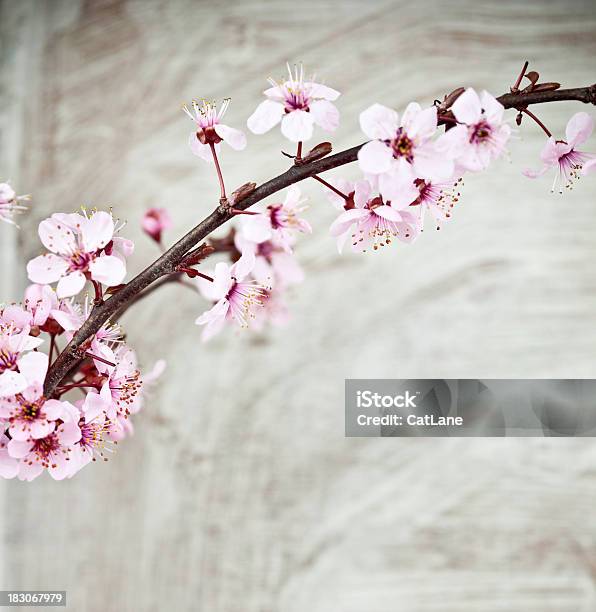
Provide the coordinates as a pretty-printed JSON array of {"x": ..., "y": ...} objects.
[
  {"x": 90, "y": 410},
  {"x": 410, "y": 169}
]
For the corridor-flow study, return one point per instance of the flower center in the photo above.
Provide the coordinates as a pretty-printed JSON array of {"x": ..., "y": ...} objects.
[
  {"x": 8, "y": 361},
  {"x": 402, "y": 145},
  {"x": 44, "y": 447},
  {"x": 480, "y": 132},
  {"x": 265, "y": 249},
  {"x": 79, "y": 261},
  {"x": 29, "y": 411},
  {"x": 124, "y": 390},
  {"x": 275, "y": 216},
  {"x": 296, "y": 99}
]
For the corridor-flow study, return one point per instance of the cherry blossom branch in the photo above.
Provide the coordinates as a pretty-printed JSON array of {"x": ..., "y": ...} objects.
[{"x": 170, "y": 261}]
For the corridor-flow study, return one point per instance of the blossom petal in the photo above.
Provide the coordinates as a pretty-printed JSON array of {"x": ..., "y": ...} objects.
[
  {"x": 267, "y": 115},
  {"x": 375, "y": 157},
  {"x": 423, "y": 124},
  {"x": 388, "y": 213},
  {"x": 40, "y": 429},
  {"x": 243, "y": 266},
  {"x": 62, "y": 467},
  {"x": 493, "y": 109},
  {"x": 430, "y": 163},
  {"x": 56, "y": 236},
  {"x": 217, "y": 311},
  {"x": 126, "y": 247},
  {"x": 19, "y": 448},
  {"x": 235, "y": 138},
  {"x": 69, "y": 433},
  {"x": 325, "y": 115},
  {"x": 316, "y": 90},
  {"x": 70, "y": 285},
  {"x": 29, "y": 471},
  {"x": 199, "y": 149},
  {"x": 16, "y": 315},
  {"x": 398, "y": 187},
  {"x": 467, "y": 108},
  {"x": 346, "y": 220},
  {"x": 257, "y": 228},
  {"x": 33, "y": 366},
  {"x": 379, "y": 121},
  {"x": 11, "y": 383},
  {"x": 97, "y": 231},
  {"x": 297, "y": 126},
  {"x": 579, "y": 128},
  {"x": 108, "y": 270},
  {"x": 46, "y": 269},
  {"x": 362, "y": 191}
]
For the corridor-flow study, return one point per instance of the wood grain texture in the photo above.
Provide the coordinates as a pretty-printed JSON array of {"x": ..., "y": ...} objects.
[{"x": 239, "y": 491}]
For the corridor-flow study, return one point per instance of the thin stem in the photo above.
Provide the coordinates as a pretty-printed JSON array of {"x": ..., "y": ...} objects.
[
  {"x": 533, "y": 116},
  {"x": 65, "y": 388},
  {"x": 205, "y": 276},
  {"x": 520, "y": 77},
  {"x": 98, "y": 293},
  {"x": 52, "y": 346},
  {"x": 101, "y": 359},
  {"x": 299, "y": 152},
  {"x": 222, "y": 186},
  {"x": 168, "y": 262},
  {"x": 330, "y": 186}
]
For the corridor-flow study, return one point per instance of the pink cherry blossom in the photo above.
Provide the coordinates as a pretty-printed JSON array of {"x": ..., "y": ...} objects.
[
  {"x": 10, "y": 203},
  {"x": 480, "y": 135},
  {"x": 437, "y": 199},
  {"x": 93, "y": 442},
  {"x": 82, "y": 247},
  {"x": 37, "y": 305},
  {"x": 210, "y": 131},
  {"x": 52, "y": 452},
  {"x": 120, "y": 394},
  {"x": 30, "y": 415},
  {"x": 274, "y": 266},
  {"x": 563, "y": 156},
  {"x": 235, "y": 298},
  {"x": 404, "y": 146},
  {"x": 375, "y": 223},
  {"x": 279, "y": 221},
  {"x": 19, "y": 368},
  {"x": 299, "y": 105},
  {"x": 155, "y": 221}
]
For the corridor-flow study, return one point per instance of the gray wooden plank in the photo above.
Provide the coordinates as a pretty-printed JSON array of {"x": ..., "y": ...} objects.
[{"x": 238, "y": 490}]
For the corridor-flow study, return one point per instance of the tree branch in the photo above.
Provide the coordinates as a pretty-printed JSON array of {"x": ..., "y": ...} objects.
[{"x": 168, "y": 262}]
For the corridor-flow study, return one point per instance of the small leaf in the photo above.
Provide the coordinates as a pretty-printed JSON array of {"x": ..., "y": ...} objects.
[
  {"x": 532, "y": 76},
  {"x": 115, "y": 289},
  {"x": 547, "y": 87},
  {"x": 318, "y": 152}
]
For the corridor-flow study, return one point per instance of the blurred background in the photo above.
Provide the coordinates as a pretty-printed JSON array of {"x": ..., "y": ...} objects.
[{"x": 238, "y": 490}]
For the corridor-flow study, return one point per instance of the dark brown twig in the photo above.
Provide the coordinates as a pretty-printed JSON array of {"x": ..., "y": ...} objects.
[{"x": 168, "y": 262}]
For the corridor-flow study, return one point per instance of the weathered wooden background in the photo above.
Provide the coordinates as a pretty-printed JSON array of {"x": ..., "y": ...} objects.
[{"x": 239, "y": 491}]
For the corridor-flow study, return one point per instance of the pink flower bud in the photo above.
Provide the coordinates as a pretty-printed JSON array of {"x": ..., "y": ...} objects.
[{"x": 155, "y": 221}]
